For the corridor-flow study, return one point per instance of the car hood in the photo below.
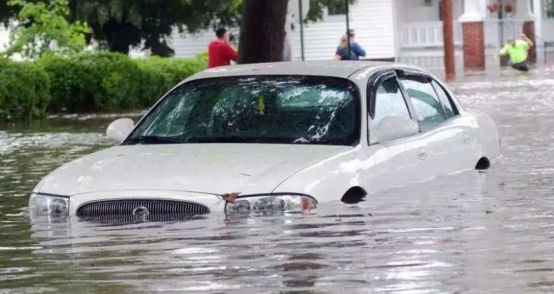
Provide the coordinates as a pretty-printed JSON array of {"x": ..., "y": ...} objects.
[{"x": 206, "y": 168}]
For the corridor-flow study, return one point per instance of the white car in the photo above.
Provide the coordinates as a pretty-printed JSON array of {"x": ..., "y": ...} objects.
[{"x": 275, "y": 136}]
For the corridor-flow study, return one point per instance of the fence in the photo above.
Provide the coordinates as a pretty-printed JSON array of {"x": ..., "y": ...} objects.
[{"x": 426, "y": 34}]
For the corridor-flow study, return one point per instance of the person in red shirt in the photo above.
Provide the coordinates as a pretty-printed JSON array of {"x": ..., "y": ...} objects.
[{"x": 220, "y": 52}]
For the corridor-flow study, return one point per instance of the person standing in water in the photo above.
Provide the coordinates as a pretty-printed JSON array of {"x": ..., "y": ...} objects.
[
  {"x": 220, "y": 52},
  {"x": 356, "y": 48},
  {"x": 518, "y": 52},
  {"x": 342, "y": 52}
]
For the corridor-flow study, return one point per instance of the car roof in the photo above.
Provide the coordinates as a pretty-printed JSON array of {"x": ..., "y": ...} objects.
[{"x": 341, "y": 69}]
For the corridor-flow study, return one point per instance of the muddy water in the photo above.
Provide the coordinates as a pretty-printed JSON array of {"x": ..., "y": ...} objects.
[{"x": 470, "y": 232}]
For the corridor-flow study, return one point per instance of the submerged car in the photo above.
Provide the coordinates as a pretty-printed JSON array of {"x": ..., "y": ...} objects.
[{"x": 274, "y": 137}]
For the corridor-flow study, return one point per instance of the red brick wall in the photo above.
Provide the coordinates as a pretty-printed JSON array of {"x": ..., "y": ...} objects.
[
  {"x": 529, "y": 31},
  {"x": 474, "y": 45}
]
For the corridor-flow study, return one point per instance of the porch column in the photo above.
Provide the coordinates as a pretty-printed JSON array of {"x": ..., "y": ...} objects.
[
  {"x": 537, "y": 13},
  {"x": 523, "y": 12},
  {"x": 473, "y": 35}
]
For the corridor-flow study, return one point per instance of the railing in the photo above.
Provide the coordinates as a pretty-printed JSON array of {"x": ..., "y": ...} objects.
[
  {"x": 425, "y": 34},
  {"x": 421, "y": 42},
  {"x": 497, "y": 32},
  {"x": 429, "y": 34},
  {"x": 428, "y": 59}
]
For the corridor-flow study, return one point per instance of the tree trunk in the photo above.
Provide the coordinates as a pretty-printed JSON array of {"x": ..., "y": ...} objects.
[{"x": 262, "y": 31}]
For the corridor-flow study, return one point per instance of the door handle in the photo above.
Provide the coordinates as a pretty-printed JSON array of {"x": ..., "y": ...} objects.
[{"x": 422, "y": 153}]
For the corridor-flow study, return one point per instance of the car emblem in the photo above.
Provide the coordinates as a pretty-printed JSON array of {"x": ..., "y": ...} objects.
[{"x": 141, "y": 211}]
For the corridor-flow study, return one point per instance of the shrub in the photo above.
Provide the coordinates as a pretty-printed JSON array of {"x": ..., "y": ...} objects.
[
  {"x": 87, "y": 82},
  {"x": 93, "y": 82},
  {"x": 203, "y": 57},
  {"x": 159, "y": 75},
  {"x": 62, "y": 79},
  {"x": 24, "y": 90},
  {"x": 112, "y": 81}
]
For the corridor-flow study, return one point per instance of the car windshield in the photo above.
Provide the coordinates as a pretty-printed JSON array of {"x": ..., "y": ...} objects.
[{"x": 257, "y": 109}]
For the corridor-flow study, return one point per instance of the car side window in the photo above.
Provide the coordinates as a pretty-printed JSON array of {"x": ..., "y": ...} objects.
[
  {"x": 428, "y": 107},
  {"x": 449, "y": 108},
  {"x": 389, "y": 101}
]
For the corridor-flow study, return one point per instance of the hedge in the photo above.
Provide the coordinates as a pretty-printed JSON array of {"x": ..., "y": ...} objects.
[
  {"x": 91, "y": 82},
  {"x": 159, "y": 75},
  {"x": 24, "y": 90}
]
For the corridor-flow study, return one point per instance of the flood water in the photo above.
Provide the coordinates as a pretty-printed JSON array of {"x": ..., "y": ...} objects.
[{"x": 465, "y": 233}]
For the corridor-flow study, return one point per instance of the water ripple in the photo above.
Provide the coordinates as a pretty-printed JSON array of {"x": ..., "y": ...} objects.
[{"x": 469, "y": 232}]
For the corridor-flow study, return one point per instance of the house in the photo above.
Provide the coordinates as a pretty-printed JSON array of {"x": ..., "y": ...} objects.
[
  {"x": 481, "y": 28},
  {"x": 373, "y": 21},
  {"x": 411, "y": 31},
  {"x": 407, "y": 30},
  {"x": 4, "y": 37}
]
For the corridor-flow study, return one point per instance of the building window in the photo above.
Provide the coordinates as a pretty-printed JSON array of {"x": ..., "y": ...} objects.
[
  {"x": 338, "y": 8},
  {"x": 549, "y": 8}
]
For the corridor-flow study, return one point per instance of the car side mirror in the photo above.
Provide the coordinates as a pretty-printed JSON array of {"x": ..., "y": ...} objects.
[
  {"x": 395, "y": 127},
  {"x": 119, "y": 129}
]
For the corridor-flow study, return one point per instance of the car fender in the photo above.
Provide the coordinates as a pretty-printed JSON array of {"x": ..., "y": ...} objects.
[
  {"x": 488, "y": 136},
  {"x": 330, "y": 179}
]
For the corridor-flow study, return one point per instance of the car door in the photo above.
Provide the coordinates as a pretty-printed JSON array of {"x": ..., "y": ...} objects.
[
  {"x": 397, "y": 162},
  {"x": 464, "y": 145},
  {"x": 446, "y": 137}
]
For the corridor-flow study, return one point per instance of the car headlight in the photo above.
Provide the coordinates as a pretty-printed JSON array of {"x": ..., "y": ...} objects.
[
  {"x": 270, "y": 202},
  {"x": 40, "y": 204}
]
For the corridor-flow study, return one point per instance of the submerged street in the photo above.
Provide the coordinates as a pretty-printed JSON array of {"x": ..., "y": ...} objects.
[{"x": 468, "y": 232}]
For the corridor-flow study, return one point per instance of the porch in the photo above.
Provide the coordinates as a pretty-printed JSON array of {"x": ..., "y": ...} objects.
[{"x": 420, "y": 34}]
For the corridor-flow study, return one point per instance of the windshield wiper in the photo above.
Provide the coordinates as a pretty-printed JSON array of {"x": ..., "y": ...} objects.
[{"x": 152, "y": 140}]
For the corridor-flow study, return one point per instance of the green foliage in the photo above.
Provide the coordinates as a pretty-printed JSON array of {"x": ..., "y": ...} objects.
[
  {"x": 23, "y": 90},
  {"x": 92, "y": 82},
  {"x": 317, "y": 7},
  {"x": 43, "y": 28},
  {"x": 6, "y": 12},
  {"x": 87, "y": 83},
  {"x": 549, "y": 8},
  {"x": 159, "y": 75},
  {"x": 203, "y": 56},
  {"x": 112, "y": 81},
  {"x": 120, "y": 24}
]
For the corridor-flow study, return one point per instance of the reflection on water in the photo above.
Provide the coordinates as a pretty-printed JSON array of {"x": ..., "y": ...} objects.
[{"x": 469, "y": 232}]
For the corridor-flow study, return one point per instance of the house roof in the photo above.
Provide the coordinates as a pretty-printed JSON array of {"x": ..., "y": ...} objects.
[{"x": 342, "y": 69}]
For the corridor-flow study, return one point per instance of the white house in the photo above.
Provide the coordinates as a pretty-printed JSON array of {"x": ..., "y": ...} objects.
[
  {"x": 407, "y": 30},
  {"x": 419, "y": 28},
  {"x": 4, "y": 37},
  {"x": 373, "y": 20}
]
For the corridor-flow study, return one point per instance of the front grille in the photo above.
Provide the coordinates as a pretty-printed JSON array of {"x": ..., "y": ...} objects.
[{"x": 140, "y": 208}]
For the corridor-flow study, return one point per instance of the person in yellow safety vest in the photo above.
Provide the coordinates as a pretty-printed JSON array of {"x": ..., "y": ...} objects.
[{"x": 518, "y": 52}]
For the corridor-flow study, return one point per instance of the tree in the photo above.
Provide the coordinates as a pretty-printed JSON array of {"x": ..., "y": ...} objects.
[
  {"x": 118, "y": 25},
  {"x": 549, "y": 9},
  {"x": 121, "y": 24},
  {"x": 7, "y": 12},
  {"x": 43, "y": 28},
  {"x": 315, "y": 13},
  {"x": 262, "y": 30}
]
